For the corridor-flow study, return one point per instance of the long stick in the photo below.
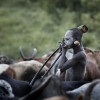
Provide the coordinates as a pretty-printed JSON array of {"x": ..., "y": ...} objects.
[
  {"x": 51, "y": 66},
  {"x": 35, "y": 77}
]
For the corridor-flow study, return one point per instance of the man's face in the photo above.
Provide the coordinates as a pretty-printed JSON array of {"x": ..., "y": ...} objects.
[{"x": 69, "y": 40}]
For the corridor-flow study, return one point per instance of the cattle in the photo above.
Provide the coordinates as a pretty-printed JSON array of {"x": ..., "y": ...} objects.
[
  {"x": 19, "y": 88},
  {"x": 88, "y": 93},
  {"x": 4, "y": 68},
  {"x": 43, "y": 59},
  {"x": 6, "y": 60},
  {"x": 48, "y": 87},
  {"x": 71, "y": 85},
  {"x": 3, "y": 59},
  {"x": 5, "y": 89},
  {"x": 40, "y": 59},
  {"x": 27, "y": 58},
  {"x": 86, "y": 88},
  {"x": 93, "y": 64},
  {"x": 25, "y": 70}
]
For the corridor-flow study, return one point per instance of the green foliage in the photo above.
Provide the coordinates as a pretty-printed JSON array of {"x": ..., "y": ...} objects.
[
  {"x": 91, "y": 5},
  {"x": 51, "y": 6},
  {"x": 73, "y": 5},
  {"x": 91, "y": 20},
  {"x": 42, "y": 24}
]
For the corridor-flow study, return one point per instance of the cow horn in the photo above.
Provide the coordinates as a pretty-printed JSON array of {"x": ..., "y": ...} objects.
[
  {"x": 4, "y": 59},
  {"x": 26, "y": 58}
]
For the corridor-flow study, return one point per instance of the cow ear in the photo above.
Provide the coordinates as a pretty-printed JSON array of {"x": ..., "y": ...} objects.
[{"x": 83, "y": 28}]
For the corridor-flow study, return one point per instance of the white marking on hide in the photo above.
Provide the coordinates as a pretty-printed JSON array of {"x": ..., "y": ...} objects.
[{"x": 3, "y": 67}]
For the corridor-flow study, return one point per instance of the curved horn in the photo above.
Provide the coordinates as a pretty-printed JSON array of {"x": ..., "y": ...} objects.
[
  {"x": 21, "y": 53},
  {"x": 26, "y": 58},
  {"x": 34, "y": 53},
  {"x": 87, "y": 95},
  {"x": 4, "y": 59}
]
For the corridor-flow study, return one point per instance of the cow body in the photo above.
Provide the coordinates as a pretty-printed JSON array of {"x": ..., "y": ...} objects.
[
  {"x": 71, "y": 85},
  {"x": 19, "y": 88},
  {"x": 26, "y": 70},
  {"x": 4, "y": 68},
  {"x": 73, "y": 95},
  {"x": 93, "y": 65}
]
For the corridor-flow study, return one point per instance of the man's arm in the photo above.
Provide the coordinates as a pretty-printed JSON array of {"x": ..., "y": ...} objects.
[
  {"x": 69, "y": 63},
  {"x": 63, "y": 58}
]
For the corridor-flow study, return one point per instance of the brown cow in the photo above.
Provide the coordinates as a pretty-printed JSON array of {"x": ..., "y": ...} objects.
[
  {"x": 4, "y": 68},
  {"x": 25, "y": 70},
  {"x": 93, "y": 64}
]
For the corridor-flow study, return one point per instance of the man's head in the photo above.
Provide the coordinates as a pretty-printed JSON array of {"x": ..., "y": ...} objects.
[{"x": 73, "y": 36}]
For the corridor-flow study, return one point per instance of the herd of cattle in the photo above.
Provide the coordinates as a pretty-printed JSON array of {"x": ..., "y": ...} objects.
[{"x": 16, "y": 76}]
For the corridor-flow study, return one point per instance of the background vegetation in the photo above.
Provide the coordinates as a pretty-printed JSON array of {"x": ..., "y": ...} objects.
[{"x": 41, "y": 24}]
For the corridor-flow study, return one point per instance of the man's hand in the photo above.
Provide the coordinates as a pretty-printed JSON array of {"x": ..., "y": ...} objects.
[
  {"x": 62, "y": 44},
  {"x": 58, "y": 72}
]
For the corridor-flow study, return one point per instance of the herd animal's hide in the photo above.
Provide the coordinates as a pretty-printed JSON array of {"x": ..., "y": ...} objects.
[
  {"x": 26, "y": 70},
  {"x": 5, "y": 89},
  {"x": 19, "y": 88},
  {"x": 71, "y": 85},
  {"x": 95, "y": 91},
  {"x": 48, "y": 87},
  {"x": 44, "y": 88}
]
